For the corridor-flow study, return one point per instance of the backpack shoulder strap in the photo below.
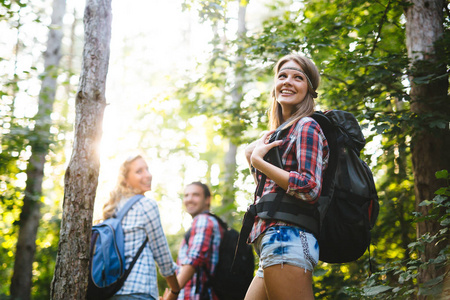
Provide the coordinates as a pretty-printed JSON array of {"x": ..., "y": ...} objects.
[
  {"x": 135, "y": 258},
  {"x": 224, "y": 225},
  {"x": 128, "y": 205},
  {"x": 187, "y": 235},
  {"x": 219, "y": 220},
  {"x": 330, "y": 132}
]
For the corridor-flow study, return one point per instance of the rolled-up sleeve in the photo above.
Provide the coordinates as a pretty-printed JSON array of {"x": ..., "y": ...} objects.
[
  {"x": 199, "y": 246},
  {"x": 306, "y": 182}
]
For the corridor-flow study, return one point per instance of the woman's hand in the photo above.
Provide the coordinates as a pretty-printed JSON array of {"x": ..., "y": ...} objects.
[
  {"x": 262, "y": 146},
  {"x": 172, "y": 281},
  {"x": 168, "y": 295},
  {"x": 249, "y": 150},
  {"x": 260, "y": 149}
]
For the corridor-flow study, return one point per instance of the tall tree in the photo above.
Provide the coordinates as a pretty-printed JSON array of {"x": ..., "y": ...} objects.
[
  {"x": 81, "y": 178},
  {"x": 429, "y": 101},
  {"x": 40, "y": 140},
  {"x": 236, "y": 126}
]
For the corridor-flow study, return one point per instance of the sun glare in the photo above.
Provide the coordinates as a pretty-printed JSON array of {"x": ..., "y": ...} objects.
[{"x": 152, "y": 44}]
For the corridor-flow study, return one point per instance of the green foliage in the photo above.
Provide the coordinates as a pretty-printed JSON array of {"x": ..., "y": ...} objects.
[
  {"x": 46, "y": 250},
  {"x": 398, "y": 279},
  {"x": 359, "y": 47},
  {"x": 208, "y": 11},
  {"x": 17, "y": 82}
]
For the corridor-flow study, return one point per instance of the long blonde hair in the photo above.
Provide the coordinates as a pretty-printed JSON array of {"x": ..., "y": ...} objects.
[
  {"x": 304, "y": 108},
  {"x": 121, "y": 190}
]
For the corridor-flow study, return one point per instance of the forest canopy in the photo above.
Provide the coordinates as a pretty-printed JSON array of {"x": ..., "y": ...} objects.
[{"x": 188, "y": 85}]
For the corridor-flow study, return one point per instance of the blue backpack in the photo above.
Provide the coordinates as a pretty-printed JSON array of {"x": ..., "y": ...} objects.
[{"x": 107, "y": 272}]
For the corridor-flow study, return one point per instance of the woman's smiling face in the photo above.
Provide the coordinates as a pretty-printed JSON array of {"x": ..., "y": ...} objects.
[
  {"x": 291, "y": 86},
  {"x": 138, "y": 177}
]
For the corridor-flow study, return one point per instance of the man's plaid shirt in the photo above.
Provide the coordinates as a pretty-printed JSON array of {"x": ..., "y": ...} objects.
[{"x": 202, "y": 252}]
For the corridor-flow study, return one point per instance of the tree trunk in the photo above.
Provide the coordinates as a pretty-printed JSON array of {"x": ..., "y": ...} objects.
[
  {"x": 81, "y": 178},
  {"x": 39, "y": 140},
  {"x": 236, "y": 95},
  {"x": 429, "y": 146}
]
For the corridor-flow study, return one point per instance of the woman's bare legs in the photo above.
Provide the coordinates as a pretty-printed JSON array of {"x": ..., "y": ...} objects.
[
  {"x": 281, "y": 283},
  {"x": 288, "y": 282},
  {"x": 256, "y": 290}
]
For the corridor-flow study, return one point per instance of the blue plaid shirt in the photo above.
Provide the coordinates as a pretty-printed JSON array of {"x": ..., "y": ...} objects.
[
  {"x": 201, "y": 252},
  {"x": 143, "y": 220}
]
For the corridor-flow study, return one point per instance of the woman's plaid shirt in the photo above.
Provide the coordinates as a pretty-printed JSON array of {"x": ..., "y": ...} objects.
[
  {"x": 143, "y": 220},
  {"x": 305, "y": 155}
]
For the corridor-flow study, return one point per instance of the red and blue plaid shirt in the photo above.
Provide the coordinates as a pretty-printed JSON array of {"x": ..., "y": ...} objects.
[
  {"x": 305, "y": 155},
  {"x": 202, "y": 252}
]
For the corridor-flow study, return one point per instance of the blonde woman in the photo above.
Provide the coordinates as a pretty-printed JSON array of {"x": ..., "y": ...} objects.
[
  {"x": 141, "y": 221},
  {"x": 288, "y": 253}
]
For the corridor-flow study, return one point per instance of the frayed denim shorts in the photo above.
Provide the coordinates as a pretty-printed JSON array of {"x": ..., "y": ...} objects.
[{"x": 291, "y": 245}]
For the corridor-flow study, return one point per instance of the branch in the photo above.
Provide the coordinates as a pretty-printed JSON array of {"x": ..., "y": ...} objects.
[
  {"x": 334, "y": 78},
  {"x": 380, "y": 27}
]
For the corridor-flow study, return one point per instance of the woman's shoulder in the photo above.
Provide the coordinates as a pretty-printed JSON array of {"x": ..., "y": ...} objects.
[
  {"x": 147, "y": 202},
  {"x": 143, "y": 204},
  {"x": 305, "y": 123}
]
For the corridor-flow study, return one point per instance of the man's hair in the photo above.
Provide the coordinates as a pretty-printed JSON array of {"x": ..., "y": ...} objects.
[{"x": 205, "y": 188}]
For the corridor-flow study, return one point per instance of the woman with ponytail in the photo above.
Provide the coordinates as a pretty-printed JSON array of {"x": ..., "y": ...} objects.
[{"x": 141, "y": 221}]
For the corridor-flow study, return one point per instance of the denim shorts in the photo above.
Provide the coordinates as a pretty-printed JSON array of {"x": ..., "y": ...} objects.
[{"x": 286, "y": 245}]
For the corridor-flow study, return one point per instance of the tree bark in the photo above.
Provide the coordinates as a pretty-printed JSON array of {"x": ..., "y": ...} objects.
[
  {"x": 236, "y": 96},
  {"x": 429, "y": 146},
  {"x": 39, "y": 140},
  {"x": 81, "y": 178}
]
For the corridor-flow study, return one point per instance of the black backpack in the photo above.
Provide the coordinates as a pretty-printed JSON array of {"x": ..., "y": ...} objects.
[
  {"x": 228, "y": 284},
  {"x": 348, "y": 206}
]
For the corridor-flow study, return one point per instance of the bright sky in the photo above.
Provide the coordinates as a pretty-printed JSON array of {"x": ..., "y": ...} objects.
[{"x": 153, "y": 43}]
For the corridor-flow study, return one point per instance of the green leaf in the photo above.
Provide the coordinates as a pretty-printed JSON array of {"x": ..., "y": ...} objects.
[
  {"x": 445, "y": 223},
  {"x": 432, "y": 287},
  {"x": 425, "y": 203},
  {"x": 443, "y": 174},
  {"x": 373, "y": 291},
  {"x": 439, "y": 199},
  {"x": 320, "y": 272},
  {"x": 438, "y": 124},
  {"x": 441, "y": 191}
]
